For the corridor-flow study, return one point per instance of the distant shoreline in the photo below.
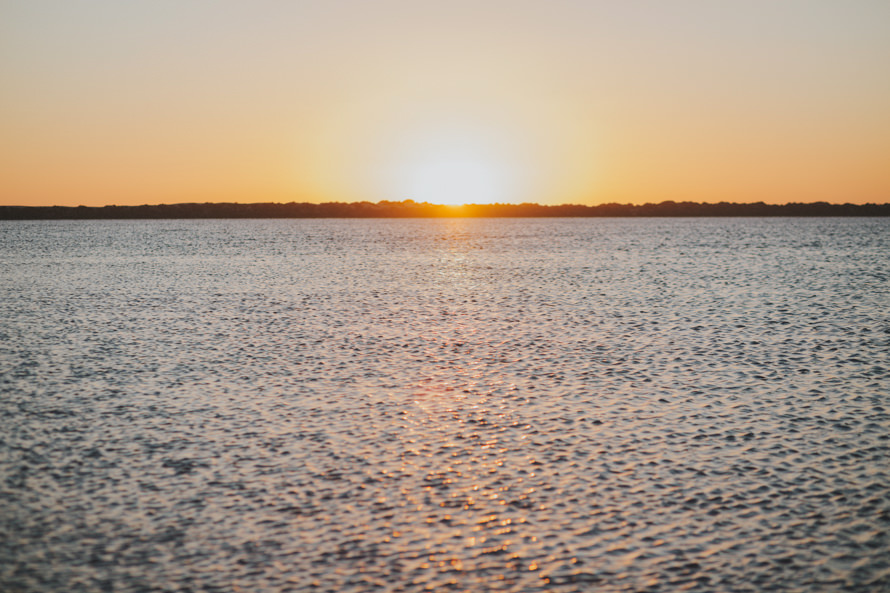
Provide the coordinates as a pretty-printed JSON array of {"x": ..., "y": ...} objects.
[{"x": 411, "y": 209}]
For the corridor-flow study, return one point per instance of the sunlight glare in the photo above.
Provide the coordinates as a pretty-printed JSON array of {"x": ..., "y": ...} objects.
[{"x": 454, "y": 172}]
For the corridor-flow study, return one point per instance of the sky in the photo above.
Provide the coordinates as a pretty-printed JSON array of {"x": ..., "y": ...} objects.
[{"x": 563, "y": 101}]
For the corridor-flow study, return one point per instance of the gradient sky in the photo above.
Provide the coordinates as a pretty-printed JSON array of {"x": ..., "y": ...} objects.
[{"x": 162, "y": 101}]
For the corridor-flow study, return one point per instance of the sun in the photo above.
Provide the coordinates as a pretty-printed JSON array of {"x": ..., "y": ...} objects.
[
  {"x": 453, "y": 171},
  {"x": 454, "y": 179}
]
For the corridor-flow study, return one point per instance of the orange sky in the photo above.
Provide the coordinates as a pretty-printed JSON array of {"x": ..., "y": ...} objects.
[{"x": 106, "y": 102}]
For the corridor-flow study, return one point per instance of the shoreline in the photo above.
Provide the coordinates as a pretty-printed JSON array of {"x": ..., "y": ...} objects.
[{"x": 411, "y": 209}]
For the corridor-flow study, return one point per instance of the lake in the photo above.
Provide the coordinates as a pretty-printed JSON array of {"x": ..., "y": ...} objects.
[{"x": 445, "y": 404}]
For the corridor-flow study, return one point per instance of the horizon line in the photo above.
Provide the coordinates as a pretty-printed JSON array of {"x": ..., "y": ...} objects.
[{"x": 411, "y": 209}]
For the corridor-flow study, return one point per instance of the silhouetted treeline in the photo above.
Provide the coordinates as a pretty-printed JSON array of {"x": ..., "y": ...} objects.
[{"x": 411, "y": 209}]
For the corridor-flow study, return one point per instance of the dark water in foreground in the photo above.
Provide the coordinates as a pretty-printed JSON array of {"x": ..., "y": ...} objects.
[{"x": 482, "y": 405}]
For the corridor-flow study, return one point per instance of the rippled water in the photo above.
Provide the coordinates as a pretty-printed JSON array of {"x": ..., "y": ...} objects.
[{"x": 480, "y": 405}]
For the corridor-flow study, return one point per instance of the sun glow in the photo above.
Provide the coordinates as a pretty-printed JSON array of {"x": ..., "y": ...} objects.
[
  {"x": 453, "y": 171},
  {"x": 454, "y": 180}
]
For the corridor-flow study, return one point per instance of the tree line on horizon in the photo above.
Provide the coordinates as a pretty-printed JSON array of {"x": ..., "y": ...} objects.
[{"x": 412, "y": 209}]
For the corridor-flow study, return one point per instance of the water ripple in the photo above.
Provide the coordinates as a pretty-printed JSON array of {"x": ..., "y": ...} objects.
[{"x": 449, "y": 405}]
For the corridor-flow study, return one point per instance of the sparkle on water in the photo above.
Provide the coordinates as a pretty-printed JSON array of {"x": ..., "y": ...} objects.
[{"x": 448, "y": 405}]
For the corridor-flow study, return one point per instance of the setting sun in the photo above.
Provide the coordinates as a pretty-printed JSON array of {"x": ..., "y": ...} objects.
[{"x": 452, "y": 173}]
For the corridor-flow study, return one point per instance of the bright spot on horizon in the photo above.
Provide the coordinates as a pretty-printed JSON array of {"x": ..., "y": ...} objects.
[{"x": 453, "y": 173}]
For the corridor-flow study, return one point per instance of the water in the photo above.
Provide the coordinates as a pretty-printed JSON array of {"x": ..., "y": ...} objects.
[{"x": 480, "y": 405}]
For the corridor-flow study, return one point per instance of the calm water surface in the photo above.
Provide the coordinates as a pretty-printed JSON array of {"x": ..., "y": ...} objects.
[{"x": 448, "y": 405}]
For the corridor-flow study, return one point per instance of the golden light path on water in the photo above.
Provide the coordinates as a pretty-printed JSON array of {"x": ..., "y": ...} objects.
[{"x": 458, "y": 463}]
